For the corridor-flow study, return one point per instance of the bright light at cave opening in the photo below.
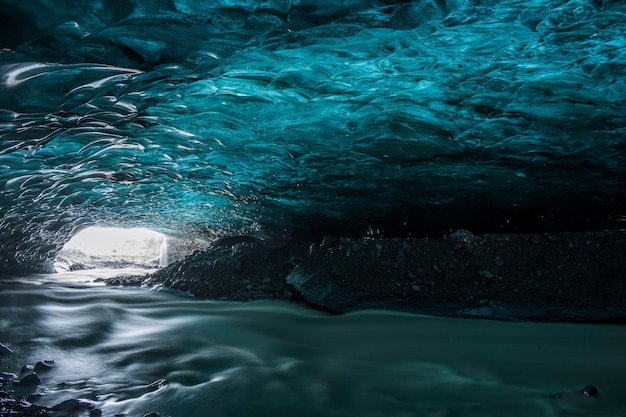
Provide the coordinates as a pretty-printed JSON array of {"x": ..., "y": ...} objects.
[{"x": 113, "y": 247}]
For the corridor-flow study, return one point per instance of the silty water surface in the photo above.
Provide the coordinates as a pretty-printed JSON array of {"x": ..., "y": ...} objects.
[{"x": 275, "y": 359}]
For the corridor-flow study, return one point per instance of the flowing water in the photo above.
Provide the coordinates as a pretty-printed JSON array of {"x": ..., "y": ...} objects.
[{"x": 274, "y": 359}]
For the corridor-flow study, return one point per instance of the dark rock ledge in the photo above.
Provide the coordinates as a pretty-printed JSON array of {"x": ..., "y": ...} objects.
[{"x": 541, "y": 277}]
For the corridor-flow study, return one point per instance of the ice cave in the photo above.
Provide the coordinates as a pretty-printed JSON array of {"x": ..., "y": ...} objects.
[{"x": 312, "y": 207}]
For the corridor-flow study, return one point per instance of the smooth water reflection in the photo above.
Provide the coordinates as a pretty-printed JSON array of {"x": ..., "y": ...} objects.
[{"x": 269, "y": 358}]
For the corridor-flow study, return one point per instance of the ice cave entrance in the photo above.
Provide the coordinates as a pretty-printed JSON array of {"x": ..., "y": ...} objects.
[{"x": 113, "y": 247}]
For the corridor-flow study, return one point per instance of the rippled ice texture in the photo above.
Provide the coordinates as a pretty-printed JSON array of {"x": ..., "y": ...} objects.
[
  {"x": 200, "y": 117},
  {"x": 274, "y": 359}
]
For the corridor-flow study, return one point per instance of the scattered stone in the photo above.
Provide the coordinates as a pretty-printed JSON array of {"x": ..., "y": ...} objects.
[
  {"x": 329, "y": 241},
  {"x": 43, "y": 365},
  {"x": 451, "y": 283},
  {"x": 26, "y": 369},
  {"x": 66, "y": 405},
  {"x": 28, "y": 408},
  {"x": 96, "y": 412},
  {"x": 462, "y": 236},
  {"x": 29, "y": 380},
  {"x": 485, "y": 274},
  {"x": 590, "y": 391}
]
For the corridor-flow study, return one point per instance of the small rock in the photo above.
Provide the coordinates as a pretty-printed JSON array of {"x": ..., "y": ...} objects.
[
  {"x": 590, "y": 391},
  {"x": 462, "y": 236},
  {"x": 26, "y": 369},
  {"x": 66, "y": 405},
  {"x": 44, "y": 365},
  {"x": 329, "y": 241},
  {"x": 416, "y": 288},
  {"x": 96, "y": 412},
  {"x": 29, "y": 380},
  {"x": 23, "y": 405},
  {"x": 485, "y": 274}
]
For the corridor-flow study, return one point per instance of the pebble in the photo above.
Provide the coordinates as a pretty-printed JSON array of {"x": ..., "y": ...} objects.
[
  {"x": 329, "y": 241},
  {"x": 485, "y": 274},
  {"x": 29, "y": 380},
  {"x": 416, "y": 287},
  {"x": 590, "y": 391},
  {"x": 44, "y": 365},
  {"x": 462, "y": 236},
  {"x": 66, "y": 405}
]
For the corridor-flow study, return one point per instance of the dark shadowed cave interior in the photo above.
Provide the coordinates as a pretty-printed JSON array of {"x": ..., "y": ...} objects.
[{"x": 379, "y": 165}]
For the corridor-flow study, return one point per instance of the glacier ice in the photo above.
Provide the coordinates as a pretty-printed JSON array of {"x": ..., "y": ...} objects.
[{"x": 198, "y": 118}]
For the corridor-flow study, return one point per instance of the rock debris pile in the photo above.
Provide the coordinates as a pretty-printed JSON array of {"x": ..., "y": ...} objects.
[{"x": 540, "y": 277}]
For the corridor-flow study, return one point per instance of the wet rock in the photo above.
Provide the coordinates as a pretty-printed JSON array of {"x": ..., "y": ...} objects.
[
  {"x": 329, "y": 241},
  {"x": 96, "y": 412},
  {"x": 66, "y": 405},
  {"x": 152, "y": 415},
  {"x": 462, "y": 236},
  {"x": 28, "y": 408},
  {"x": 43, "y": 365},
  {"x": 8, "y": 376},
  {"x": 12, "y": 407},
  {"x": 29, "y": 380},
  {"x": 590, "y": 391},
  {"x": 237, "y": 269},
  {"x": 485, "y": 274}
]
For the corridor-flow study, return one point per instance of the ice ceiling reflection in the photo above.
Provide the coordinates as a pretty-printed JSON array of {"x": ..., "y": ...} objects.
[{"x": 283, "y": 117}]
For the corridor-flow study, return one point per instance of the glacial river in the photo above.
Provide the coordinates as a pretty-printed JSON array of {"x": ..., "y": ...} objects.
[{"x": 135, "y": 351}]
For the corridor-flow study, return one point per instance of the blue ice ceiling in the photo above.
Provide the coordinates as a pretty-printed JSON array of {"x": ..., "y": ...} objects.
[{"x": 286, "y": 117}]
